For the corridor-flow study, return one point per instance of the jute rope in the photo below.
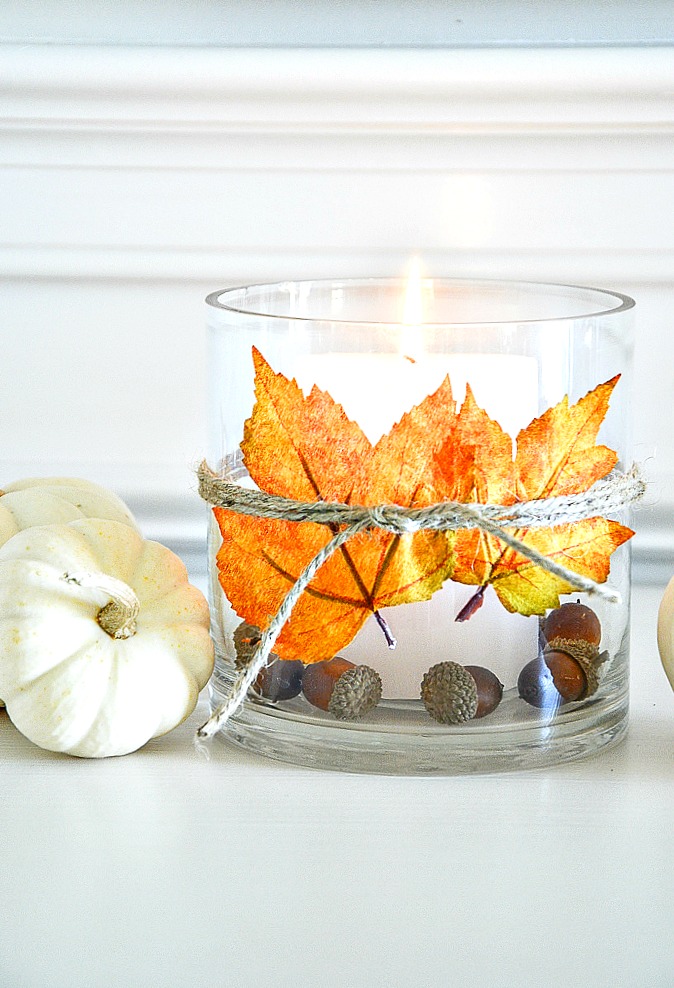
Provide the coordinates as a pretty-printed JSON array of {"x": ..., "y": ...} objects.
[{"x": 616, "y": 491}]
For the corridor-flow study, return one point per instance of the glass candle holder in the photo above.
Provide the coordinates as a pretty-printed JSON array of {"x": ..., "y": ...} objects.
[{"x": 434, "y": 650}]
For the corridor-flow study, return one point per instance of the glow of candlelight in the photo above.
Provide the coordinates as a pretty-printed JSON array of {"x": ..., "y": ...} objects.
[{"x": 413, "y": 311}]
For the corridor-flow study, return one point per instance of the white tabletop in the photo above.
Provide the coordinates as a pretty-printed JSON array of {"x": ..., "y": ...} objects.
[{"x": 166, "y": 869}]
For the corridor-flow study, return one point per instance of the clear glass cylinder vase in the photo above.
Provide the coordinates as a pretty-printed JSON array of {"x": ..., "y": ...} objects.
[{"x": 468, "y": 656}]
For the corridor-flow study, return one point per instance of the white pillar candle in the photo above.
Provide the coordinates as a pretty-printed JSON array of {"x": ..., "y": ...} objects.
[
  {"x": 427, "y": 632},
  {"x": 375, "y": 390}
]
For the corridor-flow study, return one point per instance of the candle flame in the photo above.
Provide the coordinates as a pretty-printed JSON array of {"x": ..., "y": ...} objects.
[
  {"x": 411, "y": 346},
  {"x": 413, "y": 312}
]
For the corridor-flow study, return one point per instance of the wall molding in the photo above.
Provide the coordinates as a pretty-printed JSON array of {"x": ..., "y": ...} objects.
[
  {"x": 199, "y": 167},
  {"x": 99, "y": 88},
  {"x": 149, "y": 136},
  {"x": 233, "y": 265}
]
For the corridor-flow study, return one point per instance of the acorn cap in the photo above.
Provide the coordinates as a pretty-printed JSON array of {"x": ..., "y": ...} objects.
[
  {"x": 246, "y": 639},
  {"x": 587, "y": 655},
  {"x": 449, "y": 693},
  {"x": 356, "y": 692}
]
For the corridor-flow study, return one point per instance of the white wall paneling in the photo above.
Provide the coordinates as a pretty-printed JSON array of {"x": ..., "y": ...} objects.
[{"x": 134, "y": 180}]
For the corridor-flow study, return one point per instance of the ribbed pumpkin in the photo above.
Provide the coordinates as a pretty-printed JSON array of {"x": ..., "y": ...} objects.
[
  {"x": 56, "y": 500},
  {"x": 104, "y": 643}
]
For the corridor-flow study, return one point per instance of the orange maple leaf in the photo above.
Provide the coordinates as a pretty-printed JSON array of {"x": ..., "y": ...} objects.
[
  {"x": 306, "y": 448},
  {"x": 556, "y": 455}
]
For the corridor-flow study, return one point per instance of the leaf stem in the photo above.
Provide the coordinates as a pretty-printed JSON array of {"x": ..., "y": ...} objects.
[
  {"x": 388, "y": 635},
  {"x": 368, "y": 596},
  {"x": 473, "y": 605}
]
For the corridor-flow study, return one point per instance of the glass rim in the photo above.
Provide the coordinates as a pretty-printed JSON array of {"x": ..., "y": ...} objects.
[{"x": 214, "y": 299}]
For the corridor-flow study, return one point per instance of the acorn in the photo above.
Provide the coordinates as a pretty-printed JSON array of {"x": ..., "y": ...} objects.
[
  {"x": 574, "y": 621},
  {"x": 489, "y": 690},
  {"x": 281, "y": 679},
  {"x": 453, "y": 694},
  {"x": 567, "y": 675},
  {"x": 557, "y": 676},
  {"x": 575, "y": 630},
  {"x": 535, "y": 685},
  {"x": 585, "y": 655},
  {"x": 345, "y": 690}
]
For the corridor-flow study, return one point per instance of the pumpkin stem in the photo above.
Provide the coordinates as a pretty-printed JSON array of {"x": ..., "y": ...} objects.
[{"x": 118, "y": 617}]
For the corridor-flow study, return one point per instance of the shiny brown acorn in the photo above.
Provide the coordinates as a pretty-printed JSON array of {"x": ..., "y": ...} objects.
[
  {"x": 556, "y": 677},
  {"x": 536, "y": 687},
  {"x": 281, "y": 679},
  {"x": 574, "y": 630},
  {"x": 453, "y": 694},
  {"x": 551, "y": 680},
  {"x": 346, "y": 690},
  {"x": 573, "y": 621}
]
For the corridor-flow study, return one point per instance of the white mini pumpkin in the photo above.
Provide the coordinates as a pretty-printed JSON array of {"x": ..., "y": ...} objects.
[
  {"x": 666, "y": 631},
  {"x": 56, "y": 501},
  {"x": 104, "y": 643}
]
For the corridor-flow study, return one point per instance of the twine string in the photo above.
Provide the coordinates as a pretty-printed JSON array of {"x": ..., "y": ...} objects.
[
  {"x": 247, "y": 677},
  {"x": 616, "y": 491},
  {"x": 611, "y": 494}
]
